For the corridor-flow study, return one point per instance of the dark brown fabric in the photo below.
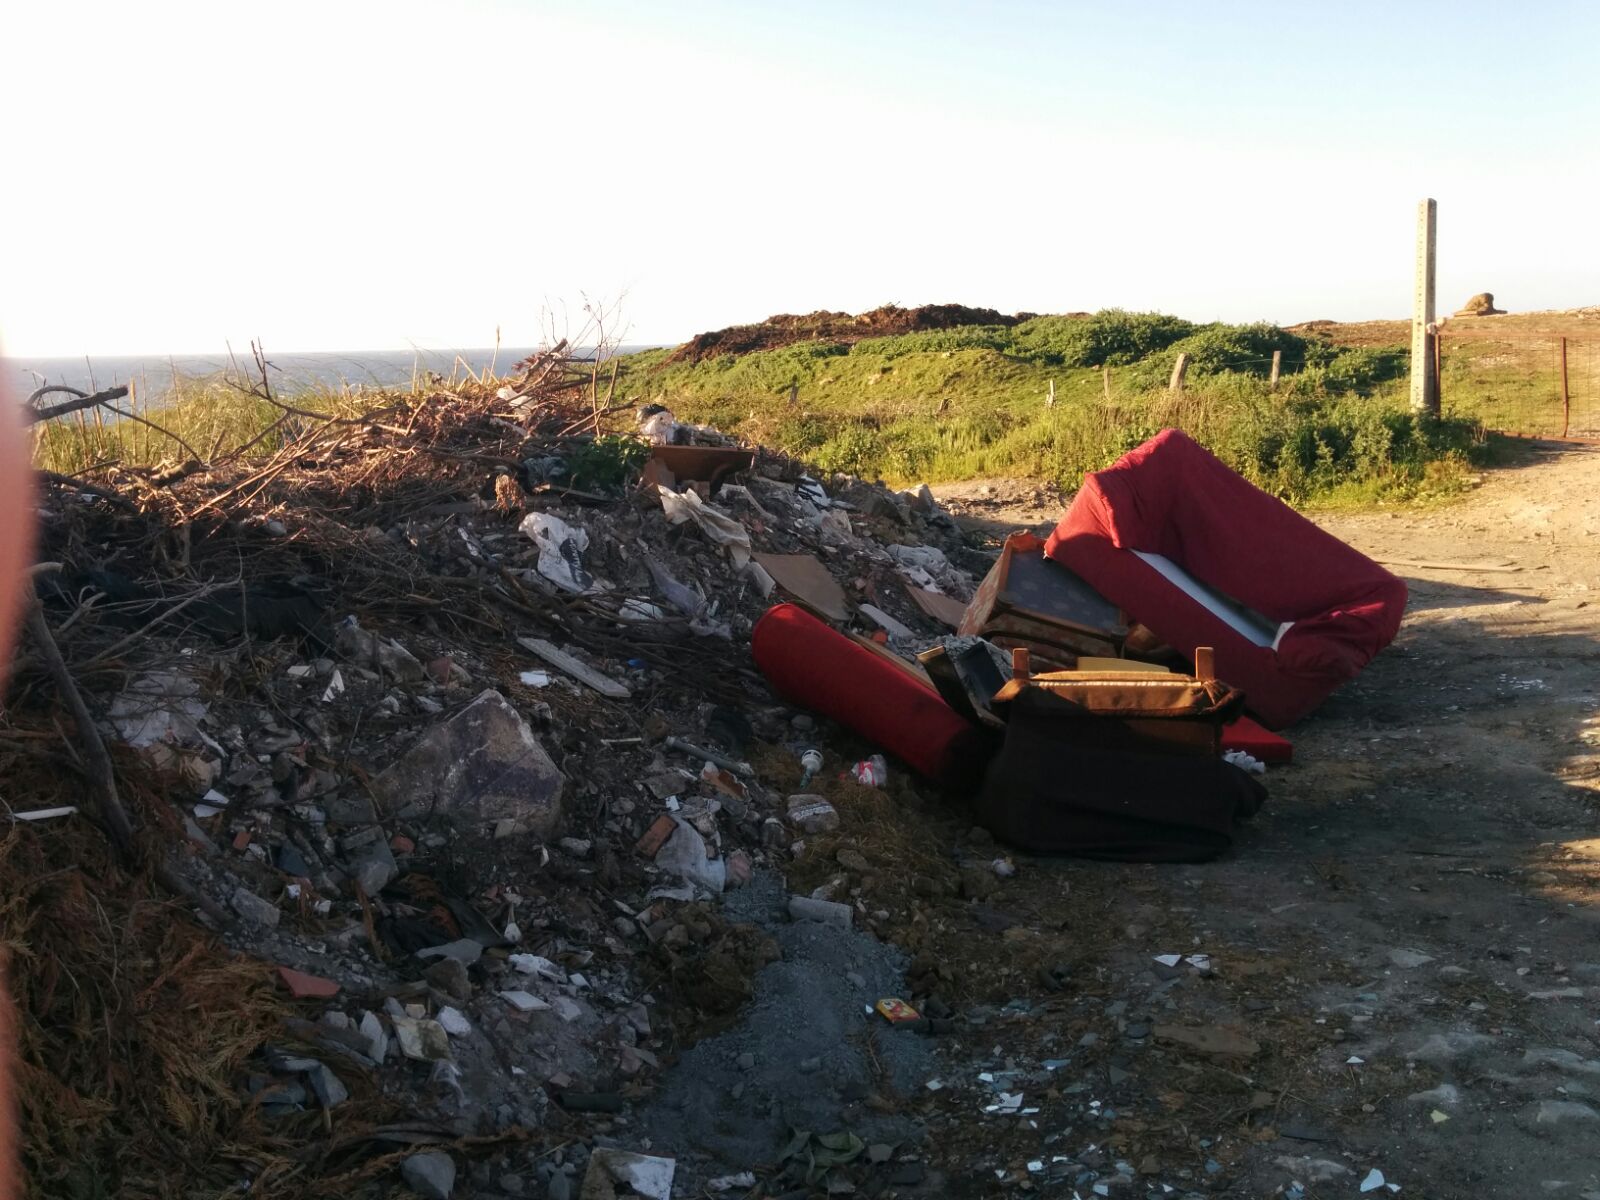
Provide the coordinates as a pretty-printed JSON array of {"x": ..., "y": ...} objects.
[{"x": 1084, "y": 771}]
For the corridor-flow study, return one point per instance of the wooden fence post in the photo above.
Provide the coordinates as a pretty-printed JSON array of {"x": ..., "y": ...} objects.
[
  {"x": 1424, "y": 380},
  {"x": 1105, "y": 381},
  {"x": 1179, "y": 368},
  {"x": 1277, "y": 363},
  {"x": 1050, "y": 400},
  {"x": 794, "y": 394},
  {"x": 1566, "y": 396}
]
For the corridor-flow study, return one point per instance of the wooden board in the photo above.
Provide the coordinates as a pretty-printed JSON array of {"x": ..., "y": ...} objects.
[
  {"x": 945, "y": 609},
  {"x": 805, "y": 578},
  {"x": 563, "y": 661}
]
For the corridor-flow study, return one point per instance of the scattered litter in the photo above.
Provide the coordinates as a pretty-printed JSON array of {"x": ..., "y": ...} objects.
[
  {"x": 1439, "y": 1118},
  {"x": 454, "y": 1022},
  {"x": 727, "y": 1183},
  {"x": 871, "y": 772},
  {"x": 538, "y": 679},
  {"x": 895, "y": 1010},
  {"x": 646, "y": 1174},
  {"x": 1354, "y": 1061},
  {"x": 1008, "y": 1102},
  {"x": 66, "y": 810},
  {"x": 1245, "y": 762},
  {"x": 561, "y": 548},
  {"x": 717, "y": 525}
]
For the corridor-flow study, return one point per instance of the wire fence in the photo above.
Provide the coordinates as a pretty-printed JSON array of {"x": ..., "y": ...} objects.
[{"x": 1535, "y": 385}]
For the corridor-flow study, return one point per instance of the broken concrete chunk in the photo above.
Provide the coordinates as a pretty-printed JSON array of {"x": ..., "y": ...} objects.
[
  {"x": 431, "y": 1175},
  {"x": 377, "y": 1040},
  {"x": 375, "y": 869},
  {"x": 449, "y": 975},
  {"x": 253, "y": 908},
  {"x": 422, "y": 1039},
  {"x": 812, "y": 814},
  {"x": 523, "y": 1001},
  {"x": 464, "y": 950},
  {"x": 483, "y": 765},
  {"x": 327, "y": 1087},
  {"x": 370, "y": 650},
  {"x": 804, "y": 908}
]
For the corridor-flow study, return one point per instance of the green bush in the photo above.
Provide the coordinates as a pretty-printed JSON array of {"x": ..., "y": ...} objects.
[{"x": 1110, "y": 337}]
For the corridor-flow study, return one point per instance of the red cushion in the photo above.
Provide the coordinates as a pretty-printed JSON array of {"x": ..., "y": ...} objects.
[
  {"x": 1256, "y": 741},
  {"x": 1174, "y": 498},
  {"x": 816, "y": 667}
]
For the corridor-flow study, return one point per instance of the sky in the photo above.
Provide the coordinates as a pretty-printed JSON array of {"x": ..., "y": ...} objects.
[{"x": 344, "y": 175}]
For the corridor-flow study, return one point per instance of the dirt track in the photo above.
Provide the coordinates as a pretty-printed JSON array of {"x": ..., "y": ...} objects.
[{"x": 1408, "y": 931}]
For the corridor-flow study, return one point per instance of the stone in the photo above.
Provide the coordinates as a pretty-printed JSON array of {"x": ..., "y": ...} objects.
[
  {"x": 375, "y": 869},
  {"x": 559, "y": 1188},
  {"x": 852, "y": 859},
  {"x": 1209, "y": 1039},
  {"x": 740, "y": 869},
  {"x": 1481, "y": 305},
  {"x": 812, "y": 814},
  {"x": 327, "y": 1087},
  {"x": 1564, "y": 1112},
  {"x": 803, "y": 908},
  {"x": 423, "y": 1040},
  {"x": 747, "y": 1061},
  {"x": 454, "y": 1022},
  {"x": 464, "y": 950},
  {"x": 482, "y": 766},
  {"x": 449, "y": 975},
  {"x": 1446, "y": 1095},
  {"x": 430, "y": 1174},
  {"x": 1442, "y": 1048},
  {"x": 1563, "y": 1060},
  {"x": 305, "y": 987},
  {"x": 253, "y": 908},
  {"x": 377, "y": 1040},
  {"x": 644, "y": 1174},
  {"x": 1408, "y": 960}
]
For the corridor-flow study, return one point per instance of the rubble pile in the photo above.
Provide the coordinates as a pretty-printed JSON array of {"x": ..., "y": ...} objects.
[{"x": 440, "y": 719}]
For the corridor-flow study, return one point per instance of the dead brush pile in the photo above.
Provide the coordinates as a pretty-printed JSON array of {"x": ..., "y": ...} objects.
[{"x": 134, "y": 1022}]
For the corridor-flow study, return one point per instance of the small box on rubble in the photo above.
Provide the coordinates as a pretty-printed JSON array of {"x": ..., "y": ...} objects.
[
  {"x": 1117, "y": 764},
  {"x": 1029, "y": 601}
]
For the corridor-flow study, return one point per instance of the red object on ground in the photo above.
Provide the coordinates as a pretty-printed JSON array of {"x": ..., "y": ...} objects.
[
  {"x": 656, "y": 836},
  {"x": 816, "y": 667},
  {"x": 307, "y": 987},
  {"x": 1174, "y": 498},
  {"x": 1257, "y": 741}
]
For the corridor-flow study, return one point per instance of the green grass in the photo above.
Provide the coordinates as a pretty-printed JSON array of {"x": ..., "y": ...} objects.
[
  {"x": 967, "y": 403},
  {"x": 956, "y": 404}
]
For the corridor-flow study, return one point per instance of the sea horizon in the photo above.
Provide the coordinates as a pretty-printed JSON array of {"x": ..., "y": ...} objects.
[{"x": 153, "y": 375}]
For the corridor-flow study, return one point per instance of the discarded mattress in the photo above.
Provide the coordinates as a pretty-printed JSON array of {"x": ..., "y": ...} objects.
[
  {"x": 878, "y": 696},
  {"x": 1201, "y": 557}
]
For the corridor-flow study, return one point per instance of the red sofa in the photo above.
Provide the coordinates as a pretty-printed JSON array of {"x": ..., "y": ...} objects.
[{"x": 1327, "y": 608}]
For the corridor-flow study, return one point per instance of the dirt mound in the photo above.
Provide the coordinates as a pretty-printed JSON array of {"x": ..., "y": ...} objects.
[{"x": 786, "y": 329}]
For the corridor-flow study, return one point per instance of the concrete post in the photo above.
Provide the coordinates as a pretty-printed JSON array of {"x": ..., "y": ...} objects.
[{"x": 1424, "y": 377}]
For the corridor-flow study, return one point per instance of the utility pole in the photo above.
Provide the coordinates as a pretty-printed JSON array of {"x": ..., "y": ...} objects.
[{"x": 1424, "y": 375}]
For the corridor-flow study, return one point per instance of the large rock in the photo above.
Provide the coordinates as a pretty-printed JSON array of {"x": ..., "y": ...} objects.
[
  {"x": 1481, "y": 305},
  {"x": 483, "y": 766}
]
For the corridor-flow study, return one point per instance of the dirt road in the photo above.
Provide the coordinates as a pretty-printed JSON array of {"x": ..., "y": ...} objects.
[{"x": 1407, "y": 935}]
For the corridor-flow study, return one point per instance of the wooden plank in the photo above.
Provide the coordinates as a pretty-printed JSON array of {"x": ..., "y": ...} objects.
[
  {"x": 807, "y": 579},
  {"x": 945, "y": 609},
  {"x": 563, "y": 661}
]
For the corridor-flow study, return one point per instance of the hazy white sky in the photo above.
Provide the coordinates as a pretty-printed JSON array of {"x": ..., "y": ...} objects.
[{"x": 342, "y": 174}]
